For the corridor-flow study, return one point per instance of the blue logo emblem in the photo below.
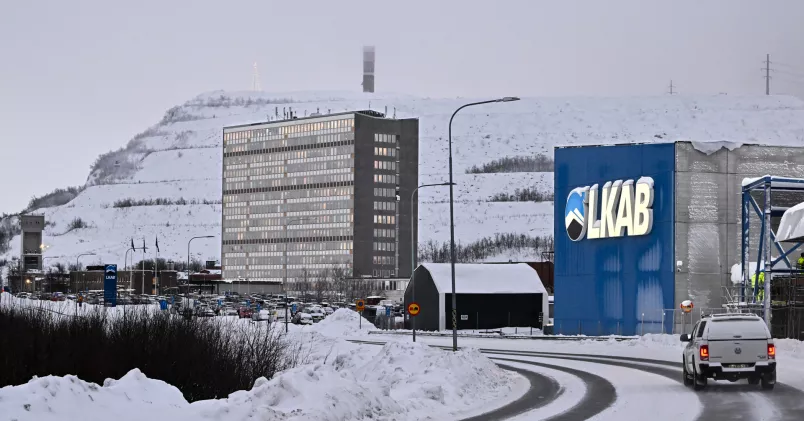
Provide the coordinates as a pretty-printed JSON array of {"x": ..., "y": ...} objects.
[{"x": 575, "y": 214}]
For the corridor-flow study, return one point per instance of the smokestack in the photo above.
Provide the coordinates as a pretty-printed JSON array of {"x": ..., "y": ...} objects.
[{"x": 368, "y": 68}]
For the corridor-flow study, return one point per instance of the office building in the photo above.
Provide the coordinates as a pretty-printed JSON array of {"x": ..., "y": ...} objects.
[{"x": 305, "y": 196}]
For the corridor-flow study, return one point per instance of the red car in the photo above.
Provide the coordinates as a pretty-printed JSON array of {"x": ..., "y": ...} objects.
[{"x": 244, "y": 312}]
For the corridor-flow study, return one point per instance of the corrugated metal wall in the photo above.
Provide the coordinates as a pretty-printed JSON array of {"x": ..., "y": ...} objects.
[
  {"x": 708, "y": 218},
  {"x": 615, "y": 285}
]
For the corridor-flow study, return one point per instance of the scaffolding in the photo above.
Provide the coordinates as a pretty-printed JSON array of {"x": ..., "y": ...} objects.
[{"x": 783, "y": 292}]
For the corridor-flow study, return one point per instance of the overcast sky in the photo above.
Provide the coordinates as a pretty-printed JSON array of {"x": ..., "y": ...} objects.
[{"x": 81, "y": 77}]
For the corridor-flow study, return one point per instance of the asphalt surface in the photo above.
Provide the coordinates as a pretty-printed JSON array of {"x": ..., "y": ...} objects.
[
  {"x": 542, "y": 391},
  {"x": 721, "y": 401}
]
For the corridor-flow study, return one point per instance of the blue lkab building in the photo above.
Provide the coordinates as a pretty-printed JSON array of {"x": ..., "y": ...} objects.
[{"x": 641, "y": 227}]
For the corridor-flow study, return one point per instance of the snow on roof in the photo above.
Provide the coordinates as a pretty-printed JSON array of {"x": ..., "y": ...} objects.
[
  {"x": 791, "y": 227},
  {"x": 512, "y": 278}
]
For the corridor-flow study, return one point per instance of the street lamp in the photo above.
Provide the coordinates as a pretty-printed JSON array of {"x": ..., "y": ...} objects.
[
  {"x": 285, "y": 281},
  {"x": 76, "y": 267},
  {"x": 452, "y": 215},
  {"x": 187, "y": 294},
  {"x": 413, "y": 248}
]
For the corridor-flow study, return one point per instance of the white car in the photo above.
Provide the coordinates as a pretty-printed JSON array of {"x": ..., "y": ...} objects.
[
  {"x": 729, "y": 347},
  {"x": 317, "y": 313},
  {"x": 262, "y": 316},
  {"x": 327, "y": 311}
]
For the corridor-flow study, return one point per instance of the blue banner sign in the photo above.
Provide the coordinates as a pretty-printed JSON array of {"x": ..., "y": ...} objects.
[{"x": 110, "y": 286}]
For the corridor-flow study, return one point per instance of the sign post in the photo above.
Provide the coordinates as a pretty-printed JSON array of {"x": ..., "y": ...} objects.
[
  {"x": 413, "y": 310},
  {"x": 360, "y": 305},
  {"x": 110, "y": 286}
]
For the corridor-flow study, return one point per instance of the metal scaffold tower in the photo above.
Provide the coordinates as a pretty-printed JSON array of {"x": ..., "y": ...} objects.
[{"x": 779, "y": 272}]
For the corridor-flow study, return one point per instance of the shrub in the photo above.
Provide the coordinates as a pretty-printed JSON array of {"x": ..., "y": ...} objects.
[
  {"x": 161, "y": 201},
  {"x": 524, "y": 195},
  {"x": 538, "y": 163},
  {"x": 77, "y": 223},
  {"x": 203, "y": 358},
  {"x": 436, "y": 252},
  {"x": 57, "y": 197}
]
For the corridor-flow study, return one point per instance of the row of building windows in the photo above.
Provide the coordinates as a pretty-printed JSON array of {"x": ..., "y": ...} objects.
[
  {"x": 294, "y": 181},
  {"x": 304, "y": 129},
  {"x": 384, "y": 233},
  {"x": 291, "y": 209},
  {"x": 295, "y": 170},
  {"x": 290, "y": 157},
  {"x": 385, "y": 165},
  {"x": 384, "y": 260},
  {"x": 384, "y": 219},
  {"x": 277, "y": 249},
  {"x": 384, "y": 151},
  {"x": 385, "y": 206},
  {"x": 384, "y": 246},
  {"x": 381, "y": 192},
  {"x": 384, "y": 273},
  {"x": 385, "y": 178},
  {"x": 310, "y": 234},
  {"x": 290, "y": 196},
  {"x": 290, "y": 145},
  {"x": 386, "y": 138}
]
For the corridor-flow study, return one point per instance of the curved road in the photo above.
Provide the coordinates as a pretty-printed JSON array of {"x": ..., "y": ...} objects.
[{"x": 720, "y": 401}]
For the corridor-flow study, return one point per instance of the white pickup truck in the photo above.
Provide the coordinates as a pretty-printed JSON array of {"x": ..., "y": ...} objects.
[{"x": 729, "y": 347}]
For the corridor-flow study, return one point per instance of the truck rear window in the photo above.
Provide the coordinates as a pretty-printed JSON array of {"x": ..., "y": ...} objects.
[{"x": 744, "y": 328}]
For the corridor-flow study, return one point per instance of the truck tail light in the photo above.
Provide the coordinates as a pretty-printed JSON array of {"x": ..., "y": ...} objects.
[
  {"x": 704, "y": 352},
  {"x": 771, "y": 351}
]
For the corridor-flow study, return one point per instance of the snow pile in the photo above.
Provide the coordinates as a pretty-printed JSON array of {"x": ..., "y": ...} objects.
[
  {"x": 711, "y": 146},
  {"x": 134, "y": 397},
  {"x": 343, "y": 322},
  {"x": 427, "y": 378}
]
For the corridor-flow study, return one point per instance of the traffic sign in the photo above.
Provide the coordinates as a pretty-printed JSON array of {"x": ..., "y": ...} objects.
[
  {"x": 387, "y": 311},
  {"x": 413, "y": 309},
  {"x": 686, "y": 306},
  {"x": 360, "y": 305}
]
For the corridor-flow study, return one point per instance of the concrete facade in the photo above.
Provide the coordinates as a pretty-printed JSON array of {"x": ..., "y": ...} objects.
[
  {"x": 708, "y": 213},
  {"x": 32, "y": 227}
]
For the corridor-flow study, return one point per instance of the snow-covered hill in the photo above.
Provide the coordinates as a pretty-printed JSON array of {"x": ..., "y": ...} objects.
[{"x": 179, "y": 159}]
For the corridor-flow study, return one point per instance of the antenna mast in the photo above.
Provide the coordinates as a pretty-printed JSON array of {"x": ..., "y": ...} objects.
[{"x": 255, "y": 79}]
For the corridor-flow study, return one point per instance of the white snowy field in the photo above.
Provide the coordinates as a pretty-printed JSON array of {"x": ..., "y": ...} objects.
[
  {"x": 180, "y": 157},
  {"x": 339, "y": 381}
]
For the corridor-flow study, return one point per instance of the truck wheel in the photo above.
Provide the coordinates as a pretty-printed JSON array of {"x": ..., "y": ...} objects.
[
  {"x": 768, "y": 381},
  {"x": 688, "y": 380},
  {"x": 699, "y": 381}
]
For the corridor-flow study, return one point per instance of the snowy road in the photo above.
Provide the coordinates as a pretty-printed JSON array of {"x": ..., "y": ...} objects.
[{"x": 605, "y": 387}]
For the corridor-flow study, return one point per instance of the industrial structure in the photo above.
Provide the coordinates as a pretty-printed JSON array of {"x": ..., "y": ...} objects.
[
  {"x": 307, "y": 196},
  {"x": 31, "y": 245},
  {"x": 647, "y": 226},
  {"x": 368, "y": 68},
  {"x": 488, "y": 296}
]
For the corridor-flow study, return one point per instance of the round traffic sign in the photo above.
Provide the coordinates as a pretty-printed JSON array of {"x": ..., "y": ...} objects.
[
  {"x": 686, "y": 306},
  {"x": 360, "y": 305},
  {"x": 413, "y": 309}
]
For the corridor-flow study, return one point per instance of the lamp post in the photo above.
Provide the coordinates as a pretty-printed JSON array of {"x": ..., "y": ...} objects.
[
  {"x": 452, "y": 215},
  {"x": 76, "y": 268},
  {"x": 285, "y": 281},
  {"x": 413, "y": 249},
  {"x": 187, "y": 294}
]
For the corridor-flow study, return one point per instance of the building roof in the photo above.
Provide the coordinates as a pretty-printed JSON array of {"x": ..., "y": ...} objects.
[
  {"x": 514, "y": 278},
  {"x": 304, "y": 119}
]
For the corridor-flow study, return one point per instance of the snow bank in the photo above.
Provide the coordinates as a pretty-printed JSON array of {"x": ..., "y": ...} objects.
[
  {"x": 134, "y": 397},
  {"x": 343, "y": 322}
]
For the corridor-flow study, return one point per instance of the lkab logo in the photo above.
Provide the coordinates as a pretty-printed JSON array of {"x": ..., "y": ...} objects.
[{"x": 619, "y": 209}]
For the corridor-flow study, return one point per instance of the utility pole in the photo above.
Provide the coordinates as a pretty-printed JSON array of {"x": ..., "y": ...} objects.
[
  {"x": 767, "y": 74},
  {"x": 671, "y": 87}
]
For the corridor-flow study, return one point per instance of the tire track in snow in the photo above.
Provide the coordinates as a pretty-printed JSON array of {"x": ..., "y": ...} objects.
[
  {"x": 600, "y": 393},
  {"x": 542, "y": 391}
]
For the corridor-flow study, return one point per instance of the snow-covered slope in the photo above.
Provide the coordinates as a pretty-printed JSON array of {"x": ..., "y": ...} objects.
[{"x": 180, "y": 158}]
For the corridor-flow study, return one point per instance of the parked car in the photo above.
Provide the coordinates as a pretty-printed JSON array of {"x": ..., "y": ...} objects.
[
  {"x": 316, "y": 313},
  {"x": 205, "y": 311},
  {"x": 302, "y": 318},
  {"x": 327, "y": 311},
  {"x": 262, "y": 316},
  {"x": 729, "y": 347},
  {"x": 244, "y": 312},
  {"x": 228, "y": 311}
]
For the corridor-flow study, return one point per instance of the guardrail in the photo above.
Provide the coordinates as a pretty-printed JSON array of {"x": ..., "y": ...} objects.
[{"x": 500, "y": 335}]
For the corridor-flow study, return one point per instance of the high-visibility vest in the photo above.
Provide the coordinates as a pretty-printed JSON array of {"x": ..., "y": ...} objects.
[{"x": 801, "y": 262}]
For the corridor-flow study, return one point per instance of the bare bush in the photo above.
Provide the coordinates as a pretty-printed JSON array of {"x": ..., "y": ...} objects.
[
  {"x": 523, "y": 195},
  {"x": 436, "y": 252},
  {"x": 538, "y": 163}
]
